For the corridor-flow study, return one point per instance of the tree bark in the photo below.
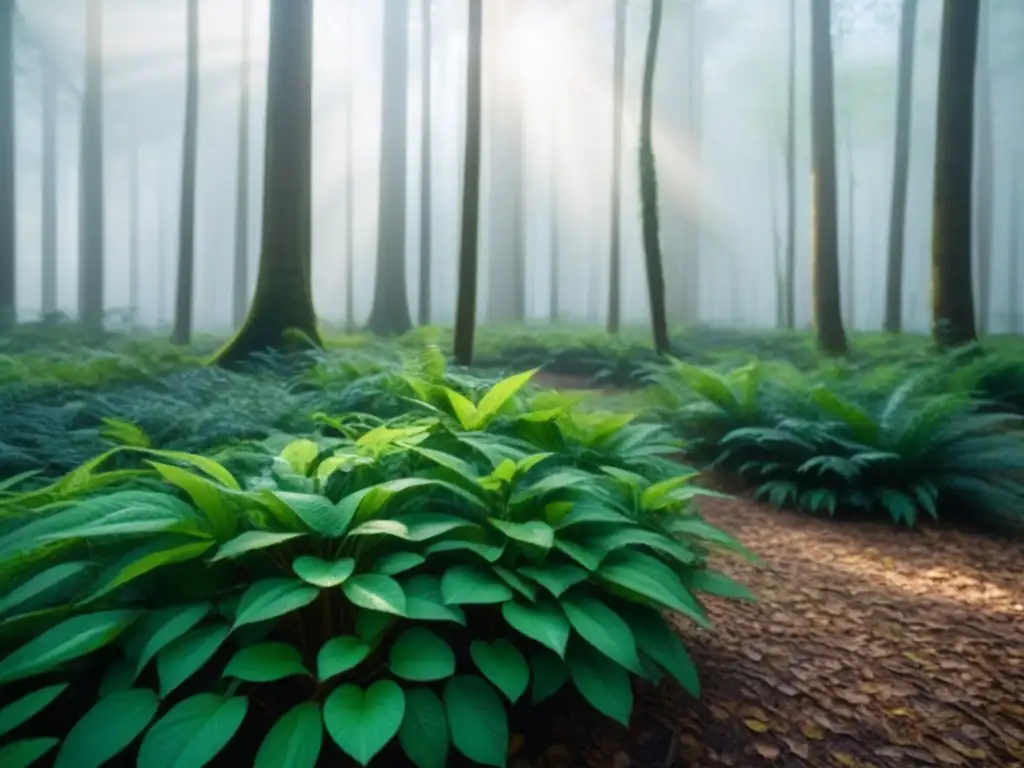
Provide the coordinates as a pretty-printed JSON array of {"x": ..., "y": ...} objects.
[
  {"x": 778, "y": 277},
  {"x": 182, "y": 333},
  {"x": 8, "y": 205},
  {"x": 426, "y": 199},
  {"x": 465, "y": 317},
  {"x": 1015, "y": 253},
  {"x": 695, "y": 129},
  {"x": 281, "y": 314},
  {"x": 350, "y": 240},
  {"x": 554, "y": 244},
  {"x": 618, "y": 116},
  {"x": 851, "y": 231},
  {"x": 901, "y": 170},
  {"x": 91, "y": 241},
  {"x": 827, "y": 302},
  {"x": 134, "y": 246},
  {"x": 985, "y": 172},
  {"x": 790, "y": 278},
  {"x": 649, "y": 189},
  {"x": 49, "y": 98},
  {"x": 952, "y": 279},
  {"x": 240, "y": 295}
]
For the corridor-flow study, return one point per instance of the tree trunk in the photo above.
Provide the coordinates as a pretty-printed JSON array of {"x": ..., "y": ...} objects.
[
  {"x": 390, "y": 314},
  {"x": 790, "y": 313},
  {"x": 161, "y": 250},
  {"x": 952, "y": 292},
  {"x": 8, "y": 205},
  {"x": 851, "y": 231},
  {"x": 281, "y": 314},
  {"x": 91, "y": 177},
  {"x": 350, "y": 240},
  {"x": 50, "y": 268},
  {"x": 649, "y": 189},
  {"x": 134, "y": 246},
  {"x": 465, "y": 317},
  {"x": 778, "y": 276},
  {"x": 901, "y": 171},
  {"x": 695, "y": 128},
  {"x": 618, "y": 116},
  {"x": 1014, "y": 253},
  {"x": 182, "y": 333},
  {"x": 985, "y": 171},
  {"x": 828, "y": 318},
  {"x": 554, "y": 245},
  {"x": 426, "y": 199},
  {"x": 240, "y": 295}
]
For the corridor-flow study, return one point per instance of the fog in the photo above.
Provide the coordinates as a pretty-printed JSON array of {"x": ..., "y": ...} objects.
[{"x": 560, "y": 52}]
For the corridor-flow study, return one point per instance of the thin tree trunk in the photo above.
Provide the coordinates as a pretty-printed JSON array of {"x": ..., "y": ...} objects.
[
  {"x": 649, "y": 189},
  {"x": 618, "y": 116},
  {"x": 8, "y": 204},
  {"x": 695, "y": 125},
  {"x": 984, "y": 191},
  {"x": 182, "y": 333},
  {"x": 350, "y": 240},
  {"x": 49, "y": 190},
  {"x": 778, "y": 276},
  {"x": 790, "y": 313},
  {"x": 901, "y": 170},
  {"x": 161, "y": 250},
  {"x": 465, "y": 317},
  {"x": 952, "y": 279},
  {"x": 134, "y": 246},
  {"x": 554, "y": 246},
  {"x": 851, "y": 231},
  {"x": 426, "y": 199},
  {"x": 1015, "y": 252},
  {"x": 91, "y": 174},
  {"x": 828, "y": 318},
  {"x": 241, "y": 277}
]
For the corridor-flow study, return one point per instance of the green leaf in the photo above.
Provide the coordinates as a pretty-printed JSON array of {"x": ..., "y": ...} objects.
[
  {"x": 591, "y": 514},
  {"x": 651, "y": 578},
  {"x": 362, "y": 723},
  {"x": 554, "y": 577},
  {"x": 340, "y": 654},
  {"x": 397, "y": 562},
  {"x": 158, "y": 629},
  {"x": 185, "y": 656},
  {"x": 294, "y": 741},
  {"x": 464, "y": 409},
  {"x": 49, "y": 581},
  {"x": 533, "y": 532},
  {"x": 602, "y": 682},
  {"x": 715, "y": 583},
  {"x": 20, "y": 711},
  {"x": 419, "y": 526},
  {"x": 271, "y": 598},
  {"x": 479, "y": 725},
  {"x": 21, "y": 754},
  {"x": 380, "y": 495},
  {"x": 371, "y": 625},
  {"x": 135, "y": 568},
  {"x": 489, "y": 552},
  {"x": 470, "y": 585},
  {"x": 193, "y": 732},
  {"x": 421, "y": 656},
  {"x": 544, "y": 622},
  {"x": 424, "y": 602},
  {"x": 251, "y": 541},
  {"x": 300, "y": 454},
  {"x": 322, "y": 574},
  {"x": 71, "y": 639},
  {"x": 120, "y": 676},
  {"x": 424, "y": 731},
  {"x": 587, "y": 557},
  {"x": 604, "y": 629},
  {"x": 317, "y": 512},
  {"x": 209, "y": 466},
  {"x": 376, "y": 592},
  {"x": 108, "y": 728},
  {"x": 656, "y": 639},
  {"x": 205, "y": 495},
  {"x": 523, "y": 587},
  {"x": 502, "y": 664},
  {"x": 501, "y": 393},
  {"x": 549, "y": 674},
  {"x": 265, "y": 663}
]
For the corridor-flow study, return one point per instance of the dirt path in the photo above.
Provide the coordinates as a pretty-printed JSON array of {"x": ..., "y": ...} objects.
[{"x": 869, "y": 647}]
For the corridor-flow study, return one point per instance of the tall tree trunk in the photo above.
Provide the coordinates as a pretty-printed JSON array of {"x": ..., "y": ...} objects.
[
  {"x": 240, "y": 294},
  {"x": 985, "y": 189},
  {"x": 790, "y": 313},
  {"x": 134, "y": 246},
  {"x": 952, "y": 292},
  {"x": 161, "y": 250},
  {"x": 618, "y": 117},
  {"x": 8, "y": 205},
  {"x": 390, "y": 314},
  {"x": 182, "y": 333},
  {"x": 49, "y": 99},
  {"x": 901, "y": 171},
  {"x": 828, "y": 317},
  {"x": 649, "y": 188},
  {"x": 91, "y": 177},
  {"x": 554, "y": 244},
  {"x": 281, "y": 314},
  {"x": 426, "y": 199},
  {"x": 778, "y": 276},
  {"x": 1014, "y": 251},
  {"x": 851, "y": 231},
  {"x": 465, "y": 316},
  {"x": 695, "y": 130},
  {"x": 350, "y": 240}
]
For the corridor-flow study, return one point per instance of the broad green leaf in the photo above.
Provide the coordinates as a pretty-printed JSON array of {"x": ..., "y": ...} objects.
[
  {"x": 251, "y": 541},
  {"x": 371, "y": 625},
  {"x": 23, "y": 753},
  {"x": 464, "y": 409},
  {"x": 715, "y": 583},
  {"x": 549, "y": 674},
  {"x": 294, "y": 741},
  {"x": 534, "y": 532},
  {"x": 489, "y": 552},
  {"x": 271, "y": 598},
  {"x": 424, "y": 731},
  {"x": 502, "y": 664},
  {"x": 28, "y": 706},
  {"x": 601, "y": 681},
  {"x": 376, "y": 592},
  {"x": 632, "y": 536},
  {"x": 421, "y": 656},
  {"x": 71, "y": 639},
  {"x": 604, "y": 629},
  {"x": 544, "y": 622},
  {"x": 555, "y": 577},
  {"x": 586, "y": 556},
  {"x": 265, "y": 663},
  {"x": 397, "y": 562},
  {"x": 702, "y": 530},
  {"x": 300, "y": 454},
  {"x": 383, "y": 493},
  {"x": 656, "y": 639},
  {"x": 108, "y": 728},
  {"x": 41, "y": 585},
  {"x": 340, "y": 654},
  {"x": 418, "y": 526},
  {"x": 592, "y": 514},
  {"x": 193, "y": 732},
  {"x": 363, "y": 722},
  {"x": 466, "y": 472},
  {"x": 424, "y": 603},
  {"x": 185, "y": 656},
  {"x": 469, "y": 585},
  {"x": 501, "y": 393},
  {"x": 202, "y": 463},
  {"x": 649, "y": 577},
  {"x": 317, "y": 512},
  {"x": 520, "y": 585},
  {"x": 156, "y": 630},
  {"x": 134, "y": 568},
  {"x": 322, "y": 574},
  {"x": 205, "y": 495},
  {"x": 479, "y": 725}
]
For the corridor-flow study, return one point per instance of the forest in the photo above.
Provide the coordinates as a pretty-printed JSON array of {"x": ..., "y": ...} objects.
[{"x": 526, "y": 383}]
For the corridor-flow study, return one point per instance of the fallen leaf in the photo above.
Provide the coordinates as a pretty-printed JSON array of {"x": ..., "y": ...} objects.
[
  {"x": 755, "y": 725},
  {"x": 844, "y": 759},
  {"x": 767, "y": 751},
  {"x": 813, "y": 732}
]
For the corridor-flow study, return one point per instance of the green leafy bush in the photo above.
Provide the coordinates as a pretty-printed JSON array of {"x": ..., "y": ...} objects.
[{"x": 398, "y": 585}]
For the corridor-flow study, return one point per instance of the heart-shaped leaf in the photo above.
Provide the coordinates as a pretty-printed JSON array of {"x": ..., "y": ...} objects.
[
  {"x": 363, "y": 722},
  {"x": 294, "y": 741},
  {"x": 502, "y": 664},
  {"x": 469, "y": 585},
  {"x": 376, "y": 592},
  {"x": 265, "y": 663},
  {"x": 424, "y": 732},
  {"x": 544, "y": 622},
  {"x": 340, "y": 654},
  {"x": 421, "y": 656},
  {"x": 322, "y": 574},
  {"x": 479, "y": 725}
]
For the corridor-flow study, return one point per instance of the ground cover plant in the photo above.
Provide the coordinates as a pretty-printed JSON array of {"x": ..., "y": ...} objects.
[{"x": 399, "y": 584}]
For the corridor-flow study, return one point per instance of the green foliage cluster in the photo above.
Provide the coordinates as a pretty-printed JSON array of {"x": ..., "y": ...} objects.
[{"x": 397, "y": 584}]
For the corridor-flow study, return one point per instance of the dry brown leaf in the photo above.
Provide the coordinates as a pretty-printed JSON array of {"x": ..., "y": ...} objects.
[
  {"x": 755, "y": 725},
  {"x": 767, "y": 751},
  {"x": 844, "y": 758},
  {"x": 813, "y": 732}
]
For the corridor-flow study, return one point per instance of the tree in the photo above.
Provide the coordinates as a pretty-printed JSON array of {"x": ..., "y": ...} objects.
[
  {"x": 1015, "y": 252},
  {"x": 49, "y": 101},
  {"x": 182, "y": 332},
  {"x": 952, "y": 293},
  {"x": 828, "y": 318},
  {"x": 426, "y": 199},
  {"x": 8, "y": 206},
  {"x": 649, "y": 188},
  {"x": 350, "y": 242},
  {"x": 985, "y": 184},
  {"x": 790, "y": 258},
  {"x": 91, "y": 177},
  {"x": 554, "y": 241},
  {"x": 134, "y": 246},
  {"x": 281, "y": 314},
  {"x": 465, "y": 315},
  {"x": 240, "y": 295},
  {"x": 618, "y": 116},
  {"x": 901, "y": 171},
  {"x": 390, "y": 313}
]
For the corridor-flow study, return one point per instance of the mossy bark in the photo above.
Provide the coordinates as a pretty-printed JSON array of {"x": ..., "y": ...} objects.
[
  {"x": 618, "y": 116},
  {"x": 283, "y": 301}
]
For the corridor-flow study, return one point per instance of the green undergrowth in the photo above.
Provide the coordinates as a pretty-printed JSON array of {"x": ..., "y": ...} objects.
[{"x": 374, "y": 587}]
